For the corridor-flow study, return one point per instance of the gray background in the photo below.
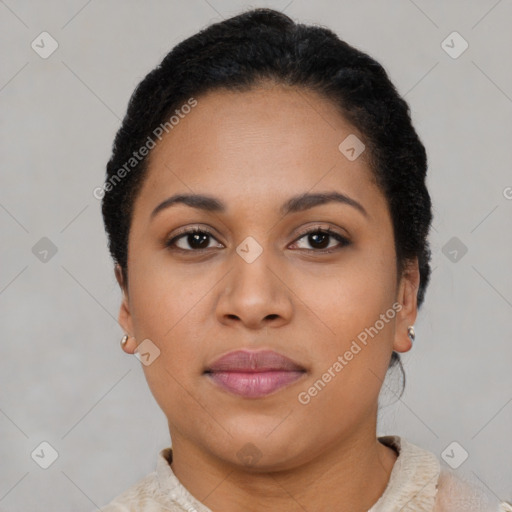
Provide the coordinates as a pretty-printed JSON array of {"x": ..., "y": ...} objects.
[{"x": 63, "y": 376}]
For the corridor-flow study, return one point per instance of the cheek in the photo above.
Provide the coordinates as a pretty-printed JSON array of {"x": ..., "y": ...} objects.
[
  {"x": 164, "y": 295},
  {"x": 351, "y": 357},
  {"x": 168, "y": 309},
  {"x": 349, "y": 298},
  {"x": 168, "y": 313},
  {"x": 353, "y": 341}
]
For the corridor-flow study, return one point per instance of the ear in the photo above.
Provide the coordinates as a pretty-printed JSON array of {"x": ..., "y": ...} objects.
[
  {"x": 125, "y": 317},
  {"x": 407, "y": 297}
]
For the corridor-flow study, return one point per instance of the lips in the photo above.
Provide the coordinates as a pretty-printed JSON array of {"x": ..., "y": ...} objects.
[
  {"x": 251, "y": 361},
  {"x": 254, "y": 374}
]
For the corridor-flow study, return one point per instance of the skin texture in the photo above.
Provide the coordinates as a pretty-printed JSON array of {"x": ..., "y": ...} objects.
[{"x": 253, "y": 151}]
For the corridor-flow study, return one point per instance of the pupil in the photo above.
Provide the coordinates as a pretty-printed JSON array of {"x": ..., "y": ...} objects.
[
  {"x": 322, "y": 243},
  {"x": 195, "y": 237}
]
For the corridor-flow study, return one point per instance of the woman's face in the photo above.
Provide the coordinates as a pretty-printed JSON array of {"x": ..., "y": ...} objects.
[{"x": 255, "y": 280}]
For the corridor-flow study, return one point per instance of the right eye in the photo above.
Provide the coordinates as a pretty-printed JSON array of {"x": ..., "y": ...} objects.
[{"x": 197, "y": 239}]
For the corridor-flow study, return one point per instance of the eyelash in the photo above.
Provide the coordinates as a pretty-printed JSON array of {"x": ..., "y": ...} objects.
[{"x": 343, "y": 241}]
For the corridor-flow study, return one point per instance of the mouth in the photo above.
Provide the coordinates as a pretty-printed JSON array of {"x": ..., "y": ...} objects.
[
  {"x": 255, "y": 384},
  {"x": 254, "y": 374}
]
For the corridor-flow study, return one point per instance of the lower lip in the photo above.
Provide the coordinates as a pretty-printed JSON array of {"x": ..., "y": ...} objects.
[{"x": 255, "y": 384}]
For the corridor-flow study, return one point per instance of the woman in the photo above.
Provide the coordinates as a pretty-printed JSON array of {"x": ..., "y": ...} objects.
[{"x": 267, "y": 213}]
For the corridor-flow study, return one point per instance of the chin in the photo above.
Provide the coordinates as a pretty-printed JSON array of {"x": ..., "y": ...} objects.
[{"x": 263, "y": 450}]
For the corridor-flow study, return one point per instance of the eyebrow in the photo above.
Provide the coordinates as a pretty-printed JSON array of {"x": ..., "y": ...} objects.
[{"x": 295, "y": 204}]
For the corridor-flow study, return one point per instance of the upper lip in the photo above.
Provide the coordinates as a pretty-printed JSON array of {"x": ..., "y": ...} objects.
[{"x": 253, "y": 361}]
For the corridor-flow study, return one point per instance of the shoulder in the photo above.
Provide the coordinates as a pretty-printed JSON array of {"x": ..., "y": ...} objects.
[
  {"x": 413, "y": 479},
  {"x": 158, "y": 491},
  {"x": 462, "y": 493},
  {"x": 142, "y": 496},
  {"x": 419, "y": 483}
]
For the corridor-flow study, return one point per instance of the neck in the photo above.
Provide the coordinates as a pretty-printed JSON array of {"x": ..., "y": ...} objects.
[{"x": 350, "y": 474}]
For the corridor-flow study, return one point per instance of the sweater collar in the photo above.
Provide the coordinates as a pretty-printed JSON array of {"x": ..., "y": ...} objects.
[{"x": 412, "y": 485}]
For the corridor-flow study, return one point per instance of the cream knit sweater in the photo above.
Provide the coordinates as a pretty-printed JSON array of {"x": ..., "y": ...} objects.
[{"x": 417, "y": 484}]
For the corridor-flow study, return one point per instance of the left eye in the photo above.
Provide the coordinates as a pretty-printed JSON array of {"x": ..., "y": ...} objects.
[{"x": 319, "y": 239}]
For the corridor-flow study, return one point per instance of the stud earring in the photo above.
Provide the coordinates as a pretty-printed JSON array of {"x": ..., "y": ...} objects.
[
  {"x": 411, "y": 333},
  {"x": 124, "y": 340}
]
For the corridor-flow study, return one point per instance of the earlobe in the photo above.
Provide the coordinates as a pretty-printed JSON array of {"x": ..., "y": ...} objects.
[
  {"x": 408, "y": 298},
  {"x": 125, "y": 317}
]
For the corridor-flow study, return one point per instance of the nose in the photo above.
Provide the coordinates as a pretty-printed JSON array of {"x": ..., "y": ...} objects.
[{"x": 255, "y": 295}]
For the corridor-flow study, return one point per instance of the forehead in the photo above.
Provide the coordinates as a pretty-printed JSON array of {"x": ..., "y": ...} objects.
[{"x": 269, "y": 142}]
